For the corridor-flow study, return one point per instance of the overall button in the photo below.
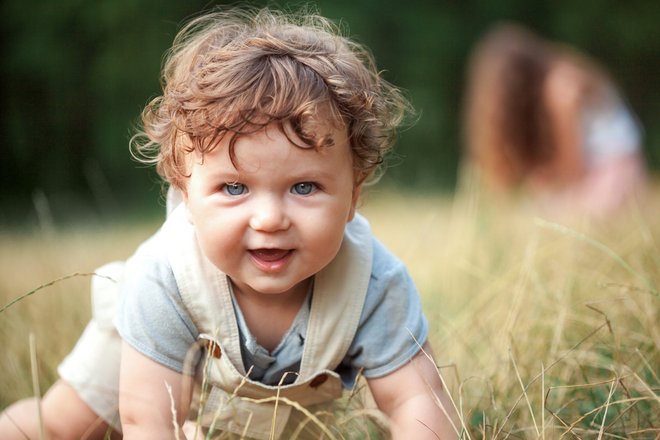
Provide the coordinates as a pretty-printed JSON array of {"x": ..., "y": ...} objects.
[
  {"x": 213, "y": 349},
  {"x": 318, "y": 380}
]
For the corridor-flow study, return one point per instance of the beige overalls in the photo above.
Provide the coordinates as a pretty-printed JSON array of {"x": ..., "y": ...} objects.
[{"x": 229, "y": 401}]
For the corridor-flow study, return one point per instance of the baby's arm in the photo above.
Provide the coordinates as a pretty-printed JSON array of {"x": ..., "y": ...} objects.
[
  {"x": 145, "y": 404},
  {"x": 412, "y": 397}
]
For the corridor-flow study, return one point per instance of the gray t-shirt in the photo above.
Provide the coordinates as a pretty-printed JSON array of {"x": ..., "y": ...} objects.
[{"x": 153, "y": 319}]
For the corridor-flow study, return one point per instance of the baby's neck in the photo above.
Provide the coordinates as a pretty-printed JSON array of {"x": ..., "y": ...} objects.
[{"x": 269, "y": 316}]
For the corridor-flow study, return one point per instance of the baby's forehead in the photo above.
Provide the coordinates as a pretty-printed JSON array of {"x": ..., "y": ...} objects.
[
  {"x": 327, "y": 134},
  {"x": 320, "y": 127}
]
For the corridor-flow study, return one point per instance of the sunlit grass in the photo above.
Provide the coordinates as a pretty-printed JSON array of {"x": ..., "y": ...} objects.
[
  {"x": 55, "y": 314},
  {"x": 542, "y": 328}
]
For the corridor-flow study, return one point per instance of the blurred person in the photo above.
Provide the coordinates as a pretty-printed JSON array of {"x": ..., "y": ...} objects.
[
  {"x": 266, "y": 131},
  {"x": 546, "y": 120}
]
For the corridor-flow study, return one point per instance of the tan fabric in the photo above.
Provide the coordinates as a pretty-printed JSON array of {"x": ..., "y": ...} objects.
[
  {"x": 244, "y": 407},
  {"x": 92, "y": 367}
]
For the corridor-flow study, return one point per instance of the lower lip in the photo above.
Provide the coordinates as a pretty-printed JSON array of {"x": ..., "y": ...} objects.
[{"x": 271, "y": 266}]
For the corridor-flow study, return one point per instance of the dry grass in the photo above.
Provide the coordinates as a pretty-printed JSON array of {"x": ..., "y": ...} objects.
[
  {"x": 55, "y": 314},
  {"x": 545, "y": 329},
  {"x": 542, "y": 329}
]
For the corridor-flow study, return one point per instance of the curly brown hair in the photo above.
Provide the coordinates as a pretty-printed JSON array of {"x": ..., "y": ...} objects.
[{"x": 233, "y": 72}]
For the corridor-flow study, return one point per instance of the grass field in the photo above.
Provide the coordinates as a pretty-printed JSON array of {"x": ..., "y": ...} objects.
[{"x": 542, "y": 329}]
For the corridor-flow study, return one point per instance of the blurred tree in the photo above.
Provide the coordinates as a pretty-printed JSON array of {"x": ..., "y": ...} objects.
[{"x": 74, "y": 77}]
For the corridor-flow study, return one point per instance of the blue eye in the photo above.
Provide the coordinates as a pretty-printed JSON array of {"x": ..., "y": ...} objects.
[
  {"x": 303, "y": 188},
  {"x": 234, "y": 189}
]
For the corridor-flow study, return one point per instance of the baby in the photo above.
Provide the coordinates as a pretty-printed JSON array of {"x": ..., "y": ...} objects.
[{"x": 264, "y": 293}]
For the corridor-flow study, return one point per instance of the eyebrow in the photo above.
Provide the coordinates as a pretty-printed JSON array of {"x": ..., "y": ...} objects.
[
  {"x": 223, "y": 175},
  {"x": 313, "y": 173}
]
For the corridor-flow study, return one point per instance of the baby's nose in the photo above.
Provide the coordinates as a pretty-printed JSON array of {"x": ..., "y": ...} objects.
[{"x": 269, "y": 215}]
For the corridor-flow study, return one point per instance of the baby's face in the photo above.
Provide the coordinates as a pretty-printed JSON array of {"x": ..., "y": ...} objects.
[{"x": 279, "y": 218}]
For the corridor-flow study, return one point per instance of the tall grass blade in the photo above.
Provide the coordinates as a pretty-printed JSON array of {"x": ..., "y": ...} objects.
[{"x": 50, "y": 283}]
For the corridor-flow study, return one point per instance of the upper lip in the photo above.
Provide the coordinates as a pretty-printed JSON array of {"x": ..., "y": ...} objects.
[{"x": 269, "y": 246}]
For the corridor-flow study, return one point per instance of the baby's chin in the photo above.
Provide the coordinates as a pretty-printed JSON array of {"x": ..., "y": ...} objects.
[{"x": 272, "y": 287}]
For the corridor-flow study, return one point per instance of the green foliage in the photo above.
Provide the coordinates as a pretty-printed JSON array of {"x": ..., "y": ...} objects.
[{"x": 76, "y": 74}]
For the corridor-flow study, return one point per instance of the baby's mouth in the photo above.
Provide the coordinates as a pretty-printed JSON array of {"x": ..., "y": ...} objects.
[
  {"x": 270, "y": 255},
  {"x": 271, "y": 260}
]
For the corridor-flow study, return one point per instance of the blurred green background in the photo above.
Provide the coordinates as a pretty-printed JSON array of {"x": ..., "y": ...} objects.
[{"x": 75, "y": 75}]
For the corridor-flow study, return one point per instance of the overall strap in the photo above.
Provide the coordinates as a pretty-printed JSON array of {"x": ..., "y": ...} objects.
[
  {"x": 204, "y": 289},
  {"x": 339, "y": 294}
]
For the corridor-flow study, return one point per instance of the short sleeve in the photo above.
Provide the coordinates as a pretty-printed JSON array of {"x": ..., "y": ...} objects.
[
  {"x": 392, "y": 326},
  {"x": 151, "y": 316}
]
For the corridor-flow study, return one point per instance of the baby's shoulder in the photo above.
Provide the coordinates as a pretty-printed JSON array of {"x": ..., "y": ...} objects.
[{"x": 385, "y": 263}]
